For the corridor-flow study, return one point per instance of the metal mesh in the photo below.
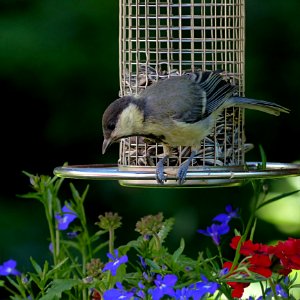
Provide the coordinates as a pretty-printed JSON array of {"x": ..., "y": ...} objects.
[{"x": 162, "y": 38}]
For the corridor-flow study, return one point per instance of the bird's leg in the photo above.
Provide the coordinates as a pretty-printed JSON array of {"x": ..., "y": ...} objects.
[
  {"x": 160, "y": 176},
  {"x": 183, "y": 168}
]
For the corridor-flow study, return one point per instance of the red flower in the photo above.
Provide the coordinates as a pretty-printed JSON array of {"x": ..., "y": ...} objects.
[
  {"x": 259, "y": 255},
  {"x": 248, "y": 247},
  {"x": 237, "y": 287},
  {"x": 234, "y": 241},
  {"x": 260, "y": 264},
  {"x": 288, "y": 253}
]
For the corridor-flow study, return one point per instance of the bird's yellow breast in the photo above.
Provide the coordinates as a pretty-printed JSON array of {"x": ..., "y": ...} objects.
[{"x": 182, "y": 134}]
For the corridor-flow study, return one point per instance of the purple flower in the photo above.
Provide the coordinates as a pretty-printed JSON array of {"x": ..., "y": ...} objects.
[
  {"x": 215, "y": 231},
  {"x": 164, "y": 286},
  {"x": 204, "y": 287},
  {"x": 9, "y": 268},
  {"x": 118, "y": 293},
  {"x": 65, "y": 218},
  {"x": 115, "y": 263},
  {"x": 230, "y": 214}
]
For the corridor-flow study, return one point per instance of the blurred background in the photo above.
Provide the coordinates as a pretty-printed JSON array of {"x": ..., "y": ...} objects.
[{"x": 59, "y": 71}]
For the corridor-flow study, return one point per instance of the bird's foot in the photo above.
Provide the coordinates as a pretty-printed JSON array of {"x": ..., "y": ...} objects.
[
  {"x": 160, "y": 174},
  {"x": 183, "y": 168},
  {"x": 181, "y": 174}
]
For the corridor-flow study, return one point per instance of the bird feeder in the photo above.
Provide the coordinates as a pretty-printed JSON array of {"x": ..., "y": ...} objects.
[{"x": 164, "y": 38}]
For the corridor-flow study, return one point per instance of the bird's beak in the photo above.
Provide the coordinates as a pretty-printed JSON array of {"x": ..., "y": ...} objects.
[{"x": 105, "y": 145}]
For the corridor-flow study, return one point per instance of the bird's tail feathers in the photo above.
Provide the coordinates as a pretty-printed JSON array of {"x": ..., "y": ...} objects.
[{"x": 264, "y": 106}]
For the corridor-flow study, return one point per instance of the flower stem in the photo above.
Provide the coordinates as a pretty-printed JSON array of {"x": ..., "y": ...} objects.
[
  {"x": 52, "y": 234},
  {"x": 111, "y": 240},
  {"x": 252, "y": 220},
  {"x": 220, "y": 254},
  {"x": 272, "y": 285},
  {"x": 157, "y": 241}
]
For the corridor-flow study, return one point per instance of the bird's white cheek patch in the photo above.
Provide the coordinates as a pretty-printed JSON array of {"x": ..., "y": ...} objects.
[{"x": 131, "y": 119}]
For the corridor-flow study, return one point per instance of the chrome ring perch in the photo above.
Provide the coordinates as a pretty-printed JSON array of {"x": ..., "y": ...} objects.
[{"x": 196, "y": 177}]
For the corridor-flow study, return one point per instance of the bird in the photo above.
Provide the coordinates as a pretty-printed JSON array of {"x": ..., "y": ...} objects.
[{"x": 177, "y": 111}]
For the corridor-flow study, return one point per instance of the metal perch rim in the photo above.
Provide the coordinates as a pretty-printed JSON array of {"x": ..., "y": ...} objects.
[{"x": 197, "y": 176}]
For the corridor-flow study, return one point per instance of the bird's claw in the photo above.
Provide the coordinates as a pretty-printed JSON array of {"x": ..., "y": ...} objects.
[
  {"x": 181, "y": 174},
  {"x": 183, "y": 168},
  {"x": 161, "y": 178}
]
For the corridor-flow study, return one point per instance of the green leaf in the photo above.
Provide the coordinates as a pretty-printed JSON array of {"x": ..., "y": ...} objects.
[
  {"x": 100, "y": 247},
  {"x": 292, "y": 280},
  {"x": 295, "y": 286},
  {"x": 30, "y": 196},
  {"x": 154, "y": 266},
  {"x": 179, "y": 251},
  {"x": 166, "y": 228},
  {"x": 76, "y": 195},
  {"x": 120, "y": 276},
  {"x": 36, "y": 267},
  {"x": 14, "y": 281},
  {"x": 58, "y": 266},
  {"x": 98, "y": 234},
  {"x": 277, "y": 198},
  {"x": 37, "y": 280},
  {"x": 16, "y": 297},
  {"x": 263, "y": 157},
  {"x": 2, "y": 283},
  {"x": 71, "y": 244},
  {"x": 58, "y": 286}
]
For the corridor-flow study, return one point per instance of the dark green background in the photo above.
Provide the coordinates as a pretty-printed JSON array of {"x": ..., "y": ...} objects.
[{"x": 58, "y": 72}]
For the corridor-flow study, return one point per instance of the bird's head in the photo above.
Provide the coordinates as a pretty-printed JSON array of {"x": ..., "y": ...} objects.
[{"x": 122, "y": 118}]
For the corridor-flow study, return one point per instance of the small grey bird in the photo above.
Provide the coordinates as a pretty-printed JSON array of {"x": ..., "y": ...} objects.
[{"x": 177, "y": 111}]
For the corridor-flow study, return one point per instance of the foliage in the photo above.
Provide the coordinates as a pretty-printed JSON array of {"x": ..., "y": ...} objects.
[{"x": 145, "y": 268}]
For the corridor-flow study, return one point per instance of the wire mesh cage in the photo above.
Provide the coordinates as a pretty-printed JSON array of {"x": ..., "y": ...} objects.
[{"x": 163, "y": 38}]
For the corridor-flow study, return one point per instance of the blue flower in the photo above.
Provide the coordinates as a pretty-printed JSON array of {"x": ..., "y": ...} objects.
[
  {"x": 223, "y": 272},
  {"x": 184, "y": 294},
  {"x": 143, "y": 262},
  {"x": 9, "y": 268},
  {"x": 164, "y": 286},
  {"x": 118, "y": 293},
  {"x": 281, "y": 292},
  {"x": 203, "y": 287},
  {"x": 115, "y": 263},
  {"x": 73, "y": 234},
  {"x": 51, "y": 249},
  {"x": 140, "y": 292},
  {"x": 65, "y": 218},
  {"x": 215, "y": 231},
  {"x": 230, "y": 214}
]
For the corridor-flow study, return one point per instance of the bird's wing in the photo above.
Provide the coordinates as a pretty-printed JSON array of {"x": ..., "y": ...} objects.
[
  {"x": 188, "y": 98},
  {"x": 217, "y": 90}
]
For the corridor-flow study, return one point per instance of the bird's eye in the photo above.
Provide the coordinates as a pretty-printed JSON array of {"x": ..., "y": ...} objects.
[{"x": 111, "y": 126}]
